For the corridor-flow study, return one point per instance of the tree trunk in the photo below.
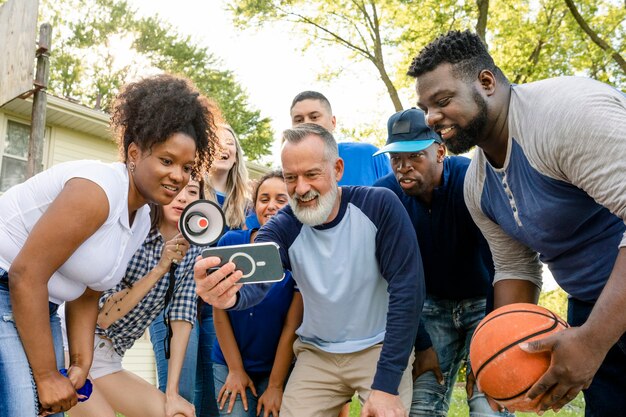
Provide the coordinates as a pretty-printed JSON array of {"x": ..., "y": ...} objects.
[
  {"x": 391, "y": 89},
  {"x": 594, "y": 36},
  {"x": 481, "y": 22}
]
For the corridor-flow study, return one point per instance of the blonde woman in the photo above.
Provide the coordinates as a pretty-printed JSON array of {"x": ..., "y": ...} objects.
[{"x": 226, "y": 184}]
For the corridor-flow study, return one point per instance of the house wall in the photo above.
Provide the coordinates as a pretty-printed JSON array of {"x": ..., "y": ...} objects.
[{"x": 68, "y": 145}]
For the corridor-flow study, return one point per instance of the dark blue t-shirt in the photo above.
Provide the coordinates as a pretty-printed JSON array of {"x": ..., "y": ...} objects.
[{"x": 456, "y": 257}]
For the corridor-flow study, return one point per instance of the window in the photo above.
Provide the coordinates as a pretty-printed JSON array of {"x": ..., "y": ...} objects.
[{"x": 15, "y": 155}]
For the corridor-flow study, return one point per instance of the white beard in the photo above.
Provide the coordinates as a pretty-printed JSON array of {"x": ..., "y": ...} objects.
[{"x": 314, "y": 216}]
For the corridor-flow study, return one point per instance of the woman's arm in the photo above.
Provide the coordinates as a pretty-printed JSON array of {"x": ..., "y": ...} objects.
[
  {"x": 80, "y": 319},
  {"x": 174, "y": 403},
  {"x": 59, "y": 232},
  {"x": 127, "y": 298},
  {"x": 272, "y": 398},
  {"x": 237, "y": 379}
]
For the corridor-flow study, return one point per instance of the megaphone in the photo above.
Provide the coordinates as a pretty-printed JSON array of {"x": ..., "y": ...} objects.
[{"x": 202, "y": 223}]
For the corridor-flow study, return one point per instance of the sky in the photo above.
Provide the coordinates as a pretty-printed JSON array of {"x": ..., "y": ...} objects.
[{"x": 270, "y": 65}]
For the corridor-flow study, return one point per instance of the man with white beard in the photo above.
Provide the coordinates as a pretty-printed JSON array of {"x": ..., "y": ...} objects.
[{"x": 354, "y": 256}]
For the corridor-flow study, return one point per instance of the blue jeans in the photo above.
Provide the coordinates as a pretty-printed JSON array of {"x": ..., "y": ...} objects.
[
  {"x": 606, "y": 395},
  {"x": 18, "y": 394},
  {"x": 205, "y": 402},
  {"x": 450, "y": 325},
  {"x": 220, "y": 372},
  {"x": 187, "y": 382}
]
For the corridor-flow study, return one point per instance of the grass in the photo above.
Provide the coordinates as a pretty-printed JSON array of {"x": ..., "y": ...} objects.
[{"x": 459, "y": 408}]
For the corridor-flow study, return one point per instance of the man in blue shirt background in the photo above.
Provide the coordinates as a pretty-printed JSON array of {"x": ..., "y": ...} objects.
[
  {"x": 458, "y": 268},
  {"x": 361, "y": 167}
]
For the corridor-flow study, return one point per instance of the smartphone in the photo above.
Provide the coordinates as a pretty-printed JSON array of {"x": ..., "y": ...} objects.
[{"x": 259, "y": 262}]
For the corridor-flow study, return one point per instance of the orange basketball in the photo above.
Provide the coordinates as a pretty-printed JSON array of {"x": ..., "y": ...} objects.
[{"x": 502, "y": 369}]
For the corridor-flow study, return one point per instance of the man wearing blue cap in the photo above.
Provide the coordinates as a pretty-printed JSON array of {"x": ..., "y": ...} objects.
[{"x": 457, "y": 263}]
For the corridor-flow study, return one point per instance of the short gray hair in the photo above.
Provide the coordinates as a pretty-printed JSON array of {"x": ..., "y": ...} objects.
[{"x": 297, "y": 134}]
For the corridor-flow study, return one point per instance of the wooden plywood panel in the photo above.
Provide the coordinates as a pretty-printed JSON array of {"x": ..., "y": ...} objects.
[{"x": 18, "y": 37}]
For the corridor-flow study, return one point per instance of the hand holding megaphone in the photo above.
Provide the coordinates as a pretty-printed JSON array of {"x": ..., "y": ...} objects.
[
  {"x": 202, "y": 223},
  {"x": 174, "y": 250}
]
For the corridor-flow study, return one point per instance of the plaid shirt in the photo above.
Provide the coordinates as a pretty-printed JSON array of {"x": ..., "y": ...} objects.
[{"x": 183, "y": 306}]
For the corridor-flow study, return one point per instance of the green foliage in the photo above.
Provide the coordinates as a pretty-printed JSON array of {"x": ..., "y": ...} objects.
[
  {"x": 86, "y": 68},
  {"x": 529, "y": 39},
  {"x": 556, "y": 301}
]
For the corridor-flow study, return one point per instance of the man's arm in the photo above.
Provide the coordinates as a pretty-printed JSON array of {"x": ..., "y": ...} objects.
[
  {"x": 400, "y": 265},
  {"x": 578, "y": 352}
]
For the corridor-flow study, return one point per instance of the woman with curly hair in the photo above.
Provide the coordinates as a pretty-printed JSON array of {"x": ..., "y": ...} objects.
[{"x": 68, "y": 233}]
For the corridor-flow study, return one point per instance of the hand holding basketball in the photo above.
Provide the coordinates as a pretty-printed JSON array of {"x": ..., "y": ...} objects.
[
  {"x": 503, "y": 370},
  {"x": 574, "y": 361}
]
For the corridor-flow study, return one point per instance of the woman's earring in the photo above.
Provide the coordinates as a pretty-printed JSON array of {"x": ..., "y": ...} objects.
[{"x": 131, "y": 166}]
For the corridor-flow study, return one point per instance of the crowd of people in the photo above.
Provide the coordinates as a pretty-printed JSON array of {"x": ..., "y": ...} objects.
[{"x": 391, "y": 257}]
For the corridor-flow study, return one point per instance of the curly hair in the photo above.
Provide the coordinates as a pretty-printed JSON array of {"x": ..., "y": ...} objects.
[
  {"x": 465, "y": 51},
  {"x": 149, "y": 111}
]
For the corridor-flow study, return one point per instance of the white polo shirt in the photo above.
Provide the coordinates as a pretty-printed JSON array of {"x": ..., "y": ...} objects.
[{"x": 100, "y": 262}]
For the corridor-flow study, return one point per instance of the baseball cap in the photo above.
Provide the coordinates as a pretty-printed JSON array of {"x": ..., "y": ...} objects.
[{"x": 408, "y": 132}]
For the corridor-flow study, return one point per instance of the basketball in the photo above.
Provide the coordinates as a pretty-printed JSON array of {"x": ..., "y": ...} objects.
[{"x": 502, "y": 369}]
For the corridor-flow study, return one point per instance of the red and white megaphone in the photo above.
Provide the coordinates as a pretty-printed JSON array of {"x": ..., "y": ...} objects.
[{"x": 202, "y": 223}]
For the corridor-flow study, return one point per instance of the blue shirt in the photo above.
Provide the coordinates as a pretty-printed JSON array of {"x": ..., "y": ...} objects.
[
  {"x": 257, "y": 329},
  {"x": 360, "y": 167},
  {"x": 360, "y": 277},
  {"x": 577, "y": 237}
]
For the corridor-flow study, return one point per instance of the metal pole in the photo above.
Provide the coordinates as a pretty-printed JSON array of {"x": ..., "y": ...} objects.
[{"x": 38, "y": 117}]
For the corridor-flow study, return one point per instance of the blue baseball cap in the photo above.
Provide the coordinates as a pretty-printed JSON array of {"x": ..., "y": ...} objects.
[{"x": 408, "y": 132}]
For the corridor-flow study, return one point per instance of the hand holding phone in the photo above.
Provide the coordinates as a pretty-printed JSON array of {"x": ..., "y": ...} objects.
[{"x": 259, "y": 262}]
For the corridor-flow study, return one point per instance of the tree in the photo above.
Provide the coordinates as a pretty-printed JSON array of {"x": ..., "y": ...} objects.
[
  {"x": 529, "y": 39},
  {"x": 613, "y": 18},
  {"x": 86, "y": 64},
  {"x": 367, "y": 29}
]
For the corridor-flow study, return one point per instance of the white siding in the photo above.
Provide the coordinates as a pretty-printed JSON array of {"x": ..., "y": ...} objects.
[
  {"x": 68, "y": 145},
  {"x": 140, "y": 360}
]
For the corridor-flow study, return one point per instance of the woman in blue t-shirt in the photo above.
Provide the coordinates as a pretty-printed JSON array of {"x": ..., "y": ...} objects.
[{"x": 253, "y": 351}]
